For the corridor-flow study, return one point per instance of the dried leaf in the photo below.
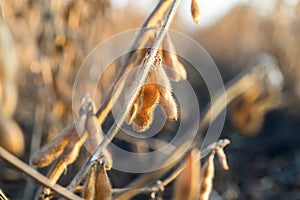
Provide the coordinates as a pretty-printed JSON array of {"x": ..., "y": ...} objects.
[
  {"x": 103, "y": 186},
  {"x": 195, "y": 10},
  {"x": 187, "y": 184},
  {"x": 207, "y": 179}
]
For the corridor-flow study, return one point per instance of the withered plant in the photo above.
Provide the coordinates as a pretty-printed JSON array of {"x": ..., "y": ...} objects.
[{"x": 252, "y": 91}]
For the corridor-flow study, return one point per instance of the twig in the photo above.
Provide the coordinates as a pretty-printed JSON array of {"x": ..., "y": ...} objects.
[
  {"x": 2, "y": 196},
  {"x": 8, "y": 157},
  {"x": 35, "y": 144},
  {"x": 141, "y": 78}
]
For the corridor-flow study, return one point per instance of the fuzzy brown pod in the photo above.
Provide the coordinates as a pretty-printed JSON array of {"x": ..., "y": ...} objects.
[
  {"x": 195, "y": 11},
  {"x": 157, "y": 90},
  {"x": 70, "y": 135},
  {"x": 103, "y": 186},
  {"x": 95, "y": 134},
  {"x": 68, "y": 156},
  {"x": 88, "y": 192},
  {"x": 149, "y": 99},
  {"x": 207, "y": 178},
  {"x": 174, "y": 69},
  {"x": 11, "y": 136},
  {"x": 167, "y": 100},
  {"x": 52, "y": 150},
  {"x": 187, "y": 184}
]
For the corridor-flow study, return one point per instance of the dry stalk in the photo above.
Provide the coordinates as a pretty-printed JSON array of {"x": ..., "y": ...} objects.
[
  {"x": 14, "y": 161},
  {"x": 2, "y": 196}
]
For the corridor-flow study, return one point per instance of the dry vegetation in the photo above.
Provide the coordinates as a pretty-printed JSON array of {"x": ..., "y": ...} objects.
[{"x": 50, "y": 39}]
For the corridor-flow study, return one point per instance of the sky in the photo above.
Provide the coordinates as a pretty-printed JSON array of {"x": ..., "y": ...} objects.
[{"x": 211, "y": 10}]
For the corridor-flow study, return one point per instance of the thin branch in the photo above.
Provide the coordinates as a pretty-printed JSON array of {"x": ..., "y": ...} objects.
[
  {"x": 2, "y": 196},
  {"x": 141, "y": 78},
  {"x": 8, "y": 157},
  {"x": 39, "y": 116}
]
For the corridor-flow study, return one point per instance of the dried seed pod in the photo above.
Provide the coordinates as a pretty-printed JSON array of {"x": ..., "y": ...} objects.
[
  {"x": 195, "y": 10},
  {"x": 219, "y": 149},
  {"x": 93, "y": 128},
  {"x": 68, "y": 156},
  {"x": 207, "y": 178},
  {"x": 89, "y": 187},
  {"x": 187, "y": 184},
  {"x": 11, "y": 136},
  {"x": 95, "y": 134},
  {"x": 166, "y": 98},
  {"x": 103, "y": 186},
  {"x": 52, "y": 150},
  {"x": 222, "y": 158},
  {"x": 248, "y": 111},
  {"x": 175, "y": 70},
  {"x": 133, "y": 112},
  {"x": 72, "y": 150},
  {"x": 150, "y": 98}
]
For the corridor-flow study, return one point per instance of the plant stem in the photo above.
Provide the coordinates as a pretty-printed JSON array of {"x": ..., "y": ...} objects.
[
  {"x": 141, "y": 79},
  {"x": 8, "y": 157}
]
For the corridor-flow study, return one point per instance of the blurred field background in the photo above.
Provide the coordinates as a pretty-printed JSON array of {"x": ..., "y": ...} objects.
[{"x": 52, "y": 38}]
